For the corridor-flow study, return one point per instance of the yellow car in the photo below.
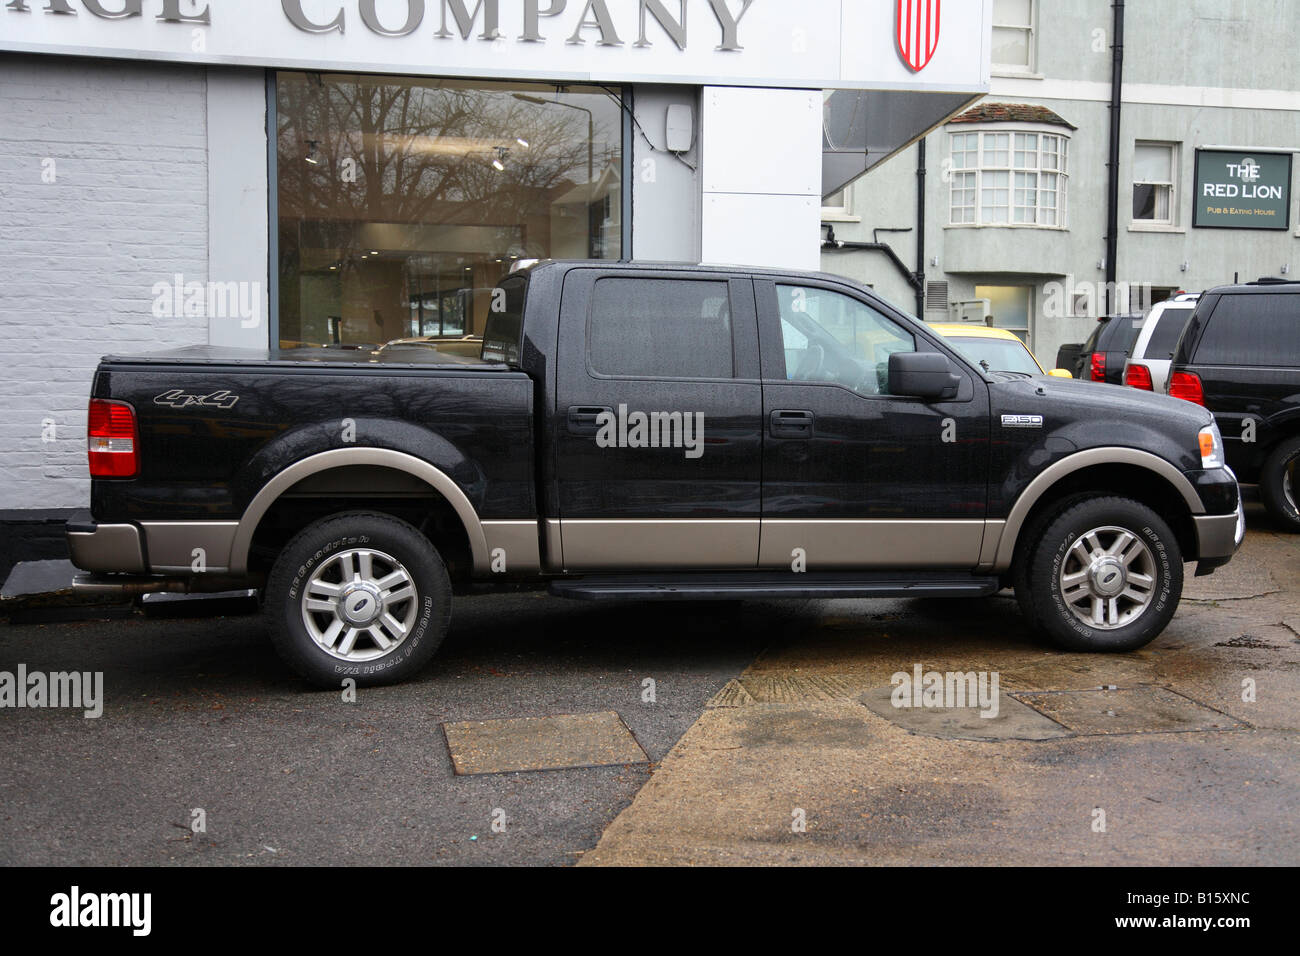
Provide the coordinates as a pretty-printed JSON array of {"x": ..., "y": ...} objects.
[{"x": 996, "y": 349}]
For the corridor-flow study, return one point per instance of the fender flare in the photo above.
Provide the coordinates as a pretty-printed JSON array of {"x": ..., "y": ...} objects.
[
  {"x": 437, "y": 479},
  {"x": 1076, "y": 462}
]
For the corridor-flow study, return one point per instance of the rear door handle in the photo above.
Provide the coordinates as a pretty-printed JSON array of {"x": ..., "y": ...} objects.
[
  {"x": 790, "y": 423},
  {"x": 582, "y": 418}
]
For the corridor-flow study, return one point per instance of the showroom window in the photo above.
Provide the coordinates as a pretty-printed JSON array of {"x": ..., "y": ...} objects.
[
  {"x": 402, "y": 201},
  {"x": 1155, "y": 168},
  {"x": 1013, "y": 35},
  {"x": 1008, "y": 177}
]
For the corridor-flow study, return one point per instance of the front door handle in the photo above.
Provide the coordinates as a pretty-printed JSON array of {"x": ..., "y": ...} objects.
[
  {"x": 582, "y": 419},
  {"x": 789, "y": 423}
]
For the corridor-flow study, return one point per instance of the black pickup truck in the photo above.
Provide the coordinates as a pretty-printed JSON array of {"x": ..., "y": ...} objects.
[{"x": 645, "y": 431}]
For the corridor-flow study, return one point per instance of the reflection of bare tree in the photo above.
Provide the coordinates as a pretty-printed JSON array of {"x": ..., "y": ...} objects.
[
  {"x": 405, "y": 167},
  {"x": 423, "y": 152}
]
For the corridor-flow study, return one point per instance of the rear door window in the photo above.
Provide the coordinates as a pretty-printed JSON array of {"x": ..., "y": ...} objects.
[
  {"x": 660, "y": 328},
  {"x": 1257, "y": 329},
  {"x": 1164, "y": 338}
]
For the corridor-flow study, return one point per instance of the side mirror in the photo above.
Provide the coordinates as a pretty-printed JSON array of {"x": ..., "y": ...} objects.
[
  {"x": 1060, "y": 373},
  {"x": 922, "y": 375}
]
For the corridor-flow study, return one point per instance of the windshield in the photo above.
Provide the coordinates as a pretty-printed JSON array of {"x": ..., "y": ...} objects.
[{"x": 1002, "y": 355}]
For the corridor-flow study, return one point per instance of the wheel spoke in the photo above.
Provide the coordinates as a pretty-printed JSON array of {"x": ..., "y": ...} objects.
[
  {"x": 1112, "y": 611},
  {"x": 1094, "y": 544},
  {"x": 393, "y": 625},
  {"x": 345, "y": 565},
  {"x": 323, "y": 607},
  {"x": 1074, "y": 578},
  {"x": 1075, "y": 594},
  {"x": 364, "y": 559},
  {"x": 331, "y": 633},
  {"x": 1122, "y": 541},
  {"x": 325, "y": 588},
  {"x": 1146, "y": 582},
  {"x": 349, "y": 640},
  {"x": 377, "y": 634}
]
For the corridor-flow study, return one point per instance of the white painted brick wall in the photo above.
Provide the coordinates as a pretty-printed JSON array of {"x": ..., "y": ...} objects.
[{"x": 79, "y": 257}]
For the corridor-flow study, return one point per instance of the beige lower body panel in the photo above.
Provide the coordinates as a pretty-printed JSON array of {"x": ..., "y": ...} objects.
[
  {"x": 672, "y": 544},
  {"x": 875, "y": 544},
  {"x": 512, "y": 547},
  {"x": 188, "y": 547},
  {"x": 688, "y": 544}
]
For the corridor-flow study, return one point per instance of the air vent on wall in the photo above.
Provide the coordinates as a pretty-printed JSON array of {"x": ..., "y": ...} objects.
[{"x": 936, "y": 296}]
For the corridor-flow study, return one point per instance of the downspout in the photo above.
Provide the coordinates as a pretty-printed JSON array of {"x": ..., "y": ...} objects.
[
  {"x": 1112, "y": 166},
  {"x": 920, "y": 228},
  {"x": 830, "y": 242}
]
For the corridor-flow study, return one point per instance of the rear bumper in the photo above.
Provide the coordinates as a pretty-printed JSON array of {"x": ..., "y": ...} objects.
[{"x": 118, "y": 548}]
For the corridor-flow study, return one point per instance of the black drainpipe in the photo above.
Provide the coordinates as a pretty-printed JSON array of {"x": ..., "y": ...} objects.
[
  {"x": 1112, "y": 187},
  {"x": 920, "y": 228},
  {"x": 830, "y": 242}
]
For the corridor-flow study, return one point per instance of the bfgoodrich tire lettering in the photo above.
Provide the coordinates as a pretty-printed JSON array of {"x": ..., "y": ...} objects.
[
  {"x": 1107, "y": 575},
  {"x": 1279, "y": 484},
  {"x": 359, "y": 595}
]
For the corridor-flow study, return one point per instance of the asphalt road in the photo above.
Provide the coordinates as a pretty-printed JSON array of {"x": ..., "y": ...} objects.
[{"x": 200, "y": 714}]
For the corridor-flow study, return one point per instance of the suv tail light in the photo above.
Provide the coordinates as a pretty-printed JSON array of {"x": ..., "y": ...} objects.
[
  {"x": 1187, "y": 386},
  {"x": 1138, "y": 376},
  {"x": 1098, "y": 367},
  {"x": 111, "y": 441}
]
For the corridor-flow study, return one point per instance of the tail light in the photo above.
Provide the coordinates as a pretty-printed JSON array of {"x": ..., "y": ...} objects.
[
  {"x": 1187, "y": 386},
  {"x": 1098, "y": 367},
  {"x": 111, "y": 441},
  {"x": 1138, "y": 376}
]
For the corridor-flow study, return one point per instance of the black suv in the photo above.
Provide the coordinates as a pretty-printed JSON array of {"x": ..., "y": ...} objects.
[
  {"x": 1101, "y": 358},
  {"x": 1240, "y": 358}
]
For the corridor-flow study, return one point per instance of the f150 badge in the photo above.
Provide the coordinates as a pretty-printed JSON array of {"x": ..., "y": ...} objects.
[
  {"x": 177, "y": 398},
  {"x": 1022, "y": 421}
]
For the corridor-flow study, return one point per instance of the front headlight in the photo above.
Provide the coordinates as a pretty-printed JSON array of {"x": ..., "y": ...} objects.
[{"x": 1211, "y": 443}]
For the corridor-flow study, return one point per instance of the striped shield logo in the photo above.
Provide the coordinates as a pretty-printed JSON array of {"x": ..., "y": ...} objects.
[{"x": 917, "y": 31}]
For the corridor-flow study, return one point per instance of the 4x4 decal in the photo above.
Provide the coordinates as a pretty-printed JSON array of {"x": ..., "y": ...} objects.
[{"x": 177, "y": 398}]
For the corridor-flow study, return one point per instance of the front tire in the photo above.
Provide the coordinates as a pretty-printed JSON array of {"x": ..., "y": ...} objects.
[
  {"x": 1107, "y": 575},
  {"x": 359, "y": 595},
  {"x": 1279, "y": 484}
]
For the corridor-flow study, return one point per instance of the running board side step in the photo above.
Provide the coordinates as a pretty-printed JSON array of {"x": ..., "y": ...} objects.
[{"x": 751, "y": 584}]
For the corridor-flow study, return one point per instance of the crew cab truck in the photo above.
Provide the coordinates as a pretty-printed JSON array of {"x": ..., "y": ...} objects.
[{"x": 645, "y": 431}]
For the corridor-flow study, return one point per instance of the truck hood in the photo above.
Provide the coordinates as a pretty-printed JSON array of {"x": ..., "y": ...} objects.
[{"x": 1072, "y": 398}]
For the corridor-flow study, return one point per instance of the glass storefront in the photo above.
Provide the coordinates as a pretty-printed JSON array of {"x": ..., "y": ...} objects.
[{"x": 402, "y": 201}]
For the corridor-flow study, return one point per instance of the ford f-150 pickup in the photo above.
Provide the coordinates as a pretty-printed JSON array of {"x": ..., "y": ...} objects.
[{"x": 645, "y": 431}]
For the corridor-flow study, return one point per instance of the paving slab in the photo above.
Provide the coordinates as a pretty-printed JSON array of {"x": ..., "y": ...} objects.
[
  {"x": 1013, "y": 720},
  {"x": 1128, "y": 710},
  {"x": 560, "y": 742}
]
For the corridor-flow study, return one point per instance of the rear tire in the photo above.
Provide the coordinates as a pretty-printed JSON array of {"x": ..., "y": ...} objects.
[
  {"x": 1106, "y": 574},
  {"x": 1279, "y": 484},
  {"x": 359, "y": 595}
]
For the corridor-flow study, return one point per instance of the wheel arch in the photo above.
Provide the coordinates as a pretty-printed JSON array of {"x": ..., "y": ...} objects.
[
  {"x": 1125, "y": 471},
  {"x": 439, "y": 484}
]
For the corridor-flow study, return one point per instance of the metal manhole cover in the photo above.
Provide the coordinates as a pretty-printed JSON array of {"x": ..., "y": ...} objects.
[
  {"x": 542, "y": 743},
  {"x": 1127, "y": 710}
]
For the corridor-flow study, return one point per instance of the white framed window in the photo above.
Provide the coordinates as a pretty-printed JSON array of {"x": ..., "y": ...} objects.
[
  {"x": 1007, "y": 177},
  {"x": 1014, "y": 23},
  {"x": 838, "y": 206},
  {"x": 1155, "y": 183}
]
